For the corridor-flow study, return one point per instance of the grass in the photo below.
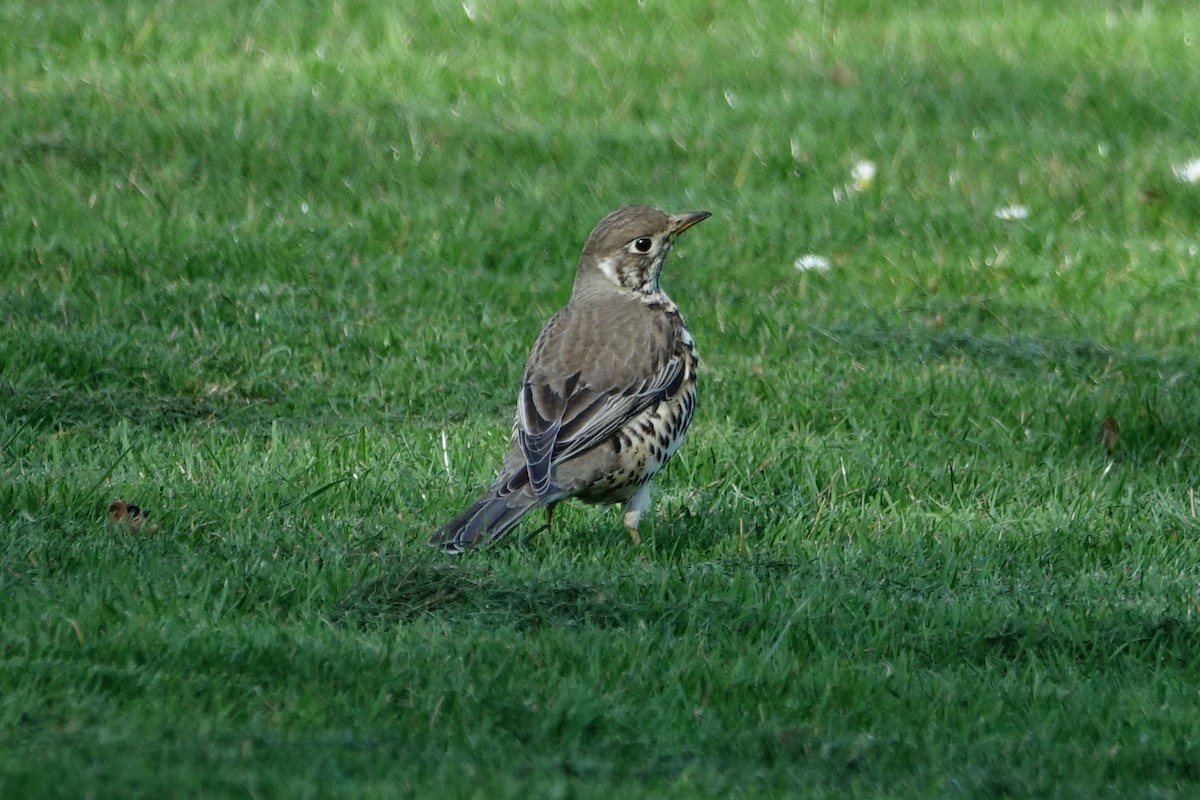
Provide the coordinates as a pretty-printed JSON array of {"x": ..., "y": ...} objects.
[{"x": 271, "y": 272}]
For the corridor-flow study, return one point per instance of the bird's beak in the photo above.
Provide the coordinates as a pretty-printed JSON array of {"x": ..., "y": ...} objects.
[{"x": 681, "y": 222}]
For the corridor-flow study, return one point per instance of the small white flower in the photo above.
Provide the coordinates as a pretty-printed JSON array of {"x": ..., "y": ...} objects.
[
  {"x": 812, "y": 262},
  {"x": 863, "y": 175},
  {"x": 1012, "y": 212},
  {"x": 1188, "y": 171}
]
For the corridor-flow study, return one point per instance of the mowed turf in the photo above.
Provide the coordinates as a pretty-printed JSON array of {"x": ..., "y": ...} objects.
[{"x": 271, "y": 271}]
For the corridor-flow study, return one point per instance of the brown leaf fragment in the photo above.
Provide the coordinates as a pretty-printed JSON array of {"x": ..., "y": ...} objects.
[{"x": 1110, "y": 431}]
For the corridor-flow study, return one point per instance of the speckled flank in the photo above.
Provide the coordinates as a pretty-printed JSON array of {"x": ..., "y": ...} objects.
[{"x": 644, "y": 445}]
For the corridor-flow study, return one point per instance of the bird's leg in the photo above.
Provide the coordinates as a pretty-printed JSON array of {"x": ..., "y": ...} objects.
[
  {"x": 549, "y": 511},
  {"x": 634, "y": 507}
]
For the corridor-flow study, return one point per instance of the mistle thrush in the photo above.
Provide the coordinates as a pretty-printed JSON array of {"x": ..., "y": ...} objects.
[{"x": 608, "y": 392}]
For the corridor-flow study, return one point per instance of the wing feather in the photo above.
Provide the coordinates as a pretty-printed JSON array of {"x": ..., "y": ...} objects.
[{"x": 561, "y": 416}]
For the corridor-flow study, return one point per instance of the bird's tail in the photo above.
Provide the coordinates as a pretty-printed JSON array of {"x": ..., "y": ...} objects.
[{"x": 487, "y": 519}]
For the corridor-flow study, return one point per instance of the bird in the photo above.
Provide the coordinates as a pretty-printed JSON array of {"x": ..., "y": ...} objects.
[
  {"x": 128, "y": 516},
  {"x": 608, "y": 392}
]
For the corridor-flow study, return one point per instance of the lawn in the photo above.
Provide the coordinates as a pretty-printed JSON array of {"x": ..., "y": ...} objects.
[{"x": 271, "y": 271}]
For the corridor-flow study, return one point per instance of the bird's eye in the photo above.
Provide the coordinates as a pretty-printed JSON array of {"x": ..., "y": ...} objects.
[{"x": 643, "y": 245}]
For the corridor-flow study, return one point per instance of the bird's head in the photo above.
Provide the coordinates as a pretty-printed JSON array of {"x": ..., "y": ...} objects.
[{"x": 627, "y": 249}]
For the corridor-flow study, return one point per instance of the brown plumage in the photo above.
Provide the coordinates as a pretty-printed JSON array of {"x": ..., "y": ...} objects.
[
  {"x": 127, "y": 515},
  {"x": 608, "y": 391}
]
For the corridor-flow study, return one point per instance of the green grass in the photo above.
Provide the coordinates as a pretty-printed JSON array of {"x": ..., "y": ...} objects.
[{"x": 271, "y": 270}]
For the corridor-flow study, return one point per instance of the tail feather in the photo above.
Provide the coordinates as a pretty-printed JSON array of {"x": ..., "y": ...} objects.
[{"x": 487, "y": 519}]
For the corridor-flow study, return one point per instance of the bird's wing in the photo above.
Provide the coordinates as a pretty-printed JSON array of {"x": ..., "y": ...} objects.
[{"x": 560, "y": 416}]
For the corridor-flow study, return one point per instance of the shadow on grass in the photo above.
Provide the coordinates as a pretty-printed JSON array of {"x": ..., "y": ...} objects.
[
  {"x": 1150, "y": 396},
  {"x": 49, "y": 407},
  {"x": 459, "y": 589},
  {"x": 465, "y": 589},
  {"x": 841, "y": 610},
  {"x": 1018, "y": 352},
  {"x": 1164, "y": 640}
]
